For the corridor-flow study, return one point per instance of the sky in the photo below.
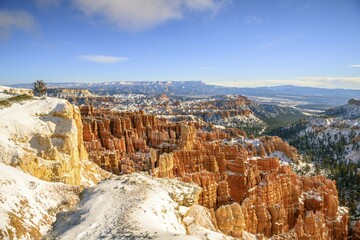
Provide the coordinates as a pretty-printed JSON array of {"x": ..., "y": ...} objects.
[{"x": 245, "y": 43}]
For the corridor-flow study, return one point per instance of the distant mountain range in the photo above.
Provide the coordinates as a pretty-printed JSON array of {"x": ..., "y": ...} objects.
[{"x": 308, "y": 99}]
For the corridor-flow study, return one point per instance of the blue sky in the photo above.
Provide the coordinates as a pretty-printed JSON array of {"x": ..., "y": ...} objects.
[{"x": 233, "y": 43}]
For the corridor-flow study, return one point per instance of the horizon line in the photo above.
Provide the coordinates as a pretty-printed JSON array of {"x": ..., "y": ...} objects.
[{"x": 201, "y": 81}]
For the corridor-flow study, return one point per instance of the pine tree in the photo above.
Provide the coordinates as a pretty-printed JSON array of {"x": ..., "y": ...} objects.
[{"x": 40, "y": 88}]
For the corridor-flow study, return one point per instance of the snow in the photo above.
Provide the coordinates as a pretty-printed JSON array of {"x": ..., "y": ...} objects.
[
  {"x": 256, "y": 142},
  {"x": 231, "y": 173},
  {"x": 21, "y": 122},
  {"x": 239, "y": 120},
  {"x": 133, "y": 206},
  {"x": 313, "y": 195},
  {"x": 4, "y": 96},
  {"x": 283, "y": 158},
  {"x": 27, "y": 204},
  {"x": 328, "y": 131},
  {"x": 352, "y": 156},
  {"x": 30, "y": 200}
]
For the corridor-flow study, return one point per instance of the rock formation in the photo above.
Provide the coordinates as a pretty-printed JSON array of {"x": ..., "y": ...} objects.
[
  {"x": 356, "y": 231},
  {"x": 44, "y": 139},
  {"x": 28, "y": 206},
  {"x": 247, "y": 189}
]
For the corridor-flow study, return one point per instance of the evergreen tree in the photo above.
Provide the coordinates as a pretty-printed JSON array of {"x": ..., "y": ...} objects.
[{"x": 40, "y": 88}]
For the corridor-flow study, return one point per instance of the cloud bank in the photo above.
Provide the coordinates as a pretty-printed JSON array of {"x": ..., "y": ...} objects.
[
  {"x": 354, "y": 65},
  {"x": 102, "y": 58},
  {"x": 138, "y": 15},
  {"x": 10, "y": 20}
]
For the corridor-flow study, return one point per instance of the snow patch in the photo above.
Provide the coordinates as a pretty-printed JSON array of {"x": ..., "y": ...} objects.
[{"x": 30, "y": 200}]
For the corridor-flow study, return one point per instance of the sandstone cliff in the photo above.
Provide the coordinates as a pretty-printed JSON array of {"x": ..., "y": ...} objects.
[
  {"x": 143, "y": 207},
  {"x": 43, "y": 138},
  {"x": 28, "y": 206},
  {"x": 269, "y": 198}
]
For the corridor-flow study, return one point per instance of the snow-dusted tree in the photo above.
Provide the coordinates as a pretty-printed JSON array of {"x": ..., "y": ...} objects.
[{"x": 40, "y": 88}]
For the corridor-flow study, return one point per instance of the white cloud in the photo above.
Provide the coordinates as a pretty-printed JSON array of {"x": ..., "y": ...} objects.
[
  {"x": 137, "y": 15},
  {"x": 354, "y": 65},
  {"x": 10, "y": 20},
  {"x": 102, "y": 58}
]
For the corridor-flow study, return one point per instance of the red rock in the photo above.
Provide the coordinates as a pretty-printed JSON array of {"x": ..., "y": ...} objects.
[
  {"x": 356, "y": 231},
  {"x": 270, "y": 200}
]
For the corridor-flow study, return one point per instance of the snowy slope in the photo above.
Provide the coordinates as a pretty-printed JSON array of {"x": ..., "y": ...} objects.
[
  {"x": 7, "y": 92},
  {"x": 348, "y": 111},
  {"x": 43, "y": 138},
  {"x": 20, "y": 122},
  {"x": 134, "y": 206},
  {"x": 333, "y": 137},
  {"x": 332, "y": 132},
  {"x": 28, "y": 205}
]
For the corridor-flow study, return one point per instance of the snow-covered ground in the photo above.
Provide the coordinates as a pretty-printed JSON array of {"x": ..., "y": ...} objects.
[
  {"x": 4, "y": 96},
  {"x": 331, "y": 131},
  {"x": 7, "y": 92},
  {"x": 3, "y": 93},
  {"x": 282, "y": 157},
  {"x": 28, "y": 132},
  {"x": 134, "y": 206},
  {"x": 348, "y": 111},
  {"x": 28, "y": 205},
  {"x": 21, "y": 122},
  {"x": 250, "y": 121}
]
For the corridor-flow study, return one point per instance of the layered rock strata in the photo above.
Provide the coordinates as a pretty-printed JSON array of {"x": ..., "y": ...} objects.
[
  {"x": 43, "y": 165},
  {"x": 246, "y": 188},
  {"x": 44, "y": 138}
]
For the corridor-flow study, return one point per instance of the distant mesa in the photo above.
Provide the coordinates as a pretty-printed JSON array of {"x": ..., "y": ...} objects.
[
  {"x": 354, "y": 102},
  {"x": 348, "y": 111}
]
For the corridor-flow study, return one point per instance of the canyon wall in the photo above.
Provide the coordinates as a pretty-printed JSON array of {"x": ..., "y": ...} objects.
[
  {"x": 43, "y": 165},
  {"x": 44, "y": 138},
  {"x": 239, "y": 178}
]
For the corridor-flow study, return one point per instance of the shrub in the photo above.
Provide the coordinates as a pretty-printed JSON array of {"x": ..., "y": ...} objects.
[
  {"x": 20, "y": 98},
  {"x": 16, "y": 99},
  {"x": 4, "y": 103}
]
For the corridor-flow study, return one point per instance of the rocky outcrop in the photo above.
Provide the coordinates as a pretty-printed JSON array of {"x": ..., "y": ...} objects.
[
  {"x": 356, "y": 231},
  {"x": 274, "y": 143},
  {"x": 354, "y": 102},
  {"x": 273, "y": 199},
  {"x": 44, "y": 139},
  {"x": 230, "y": 220},
  {"x": 132, "y": 206},
  {"x": 28, "y": 206},
  {"x": 246, "y": 189}
]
